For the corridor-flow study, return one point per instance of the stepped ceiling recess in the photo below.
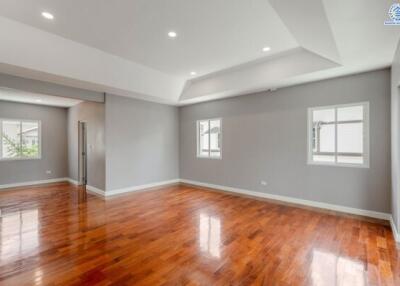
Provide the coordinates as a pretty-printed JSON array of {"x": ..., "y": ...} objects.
[{"x": 186, "y": 51}]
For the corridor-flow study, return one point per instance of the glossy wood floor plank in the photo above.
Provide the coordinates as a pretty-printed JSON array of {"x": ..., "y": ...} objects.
[{"x": 181, "y": 235}]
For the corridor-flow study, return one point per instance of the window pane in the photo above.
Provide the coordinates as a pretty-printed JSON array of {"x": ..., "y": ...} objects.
[
  {"x": 327, "y": 138},
  {"x": 323, "y": 144},
  {"x": 324, "y": 115},
  {"x": 339, "y": 138},
  {"x": 350, "y": 137},
  {"x": 350, "y": 113},
  {"x": 30, "y": 139},
  {"x": 11, "y": 145},
  {"x": 203, "y": 138},
  {"x": 215, "y": 138},
  {"x": 350, "y": 143}
]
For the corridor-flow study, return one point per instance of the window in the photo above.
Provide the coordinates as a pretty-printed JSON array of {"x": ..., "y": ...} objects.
[
  {"x": 19, "y": 139},
  {"x": 338, "y": 135},
  {"x": 209, "y": 138}
]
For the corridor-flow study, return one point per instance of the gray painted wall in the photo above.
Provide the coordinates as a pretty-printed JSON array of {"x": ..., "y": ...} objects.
[
  {"x": 94, "y": 114},
  {"x": 395, "y": 123},
  {"x": 54, "y": 144},
  {"x": 142, "y": 142},
  {"x": 265, "y": 138}
]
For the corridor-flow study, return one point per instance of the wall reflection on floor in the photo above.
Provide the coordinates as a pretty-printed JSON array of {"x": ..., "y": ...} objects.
[{"x": 210, "y": 234}]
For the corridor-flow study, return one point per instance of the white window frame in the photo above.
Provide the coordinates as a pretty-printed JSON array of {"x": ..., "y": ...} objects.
[
  {"x": 209, "y": 138},
  {"x": 20, "y": 122},
  {"x": 366, "y": 137}
]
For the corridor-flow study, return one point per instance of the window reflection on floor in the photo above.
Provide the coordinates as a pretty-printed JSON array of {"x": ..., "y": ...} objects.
[
  {"x": 330, "y": 269},
  {"x": 19, "y": 232},
  {"x": 38, "y": 276},
  {"x": 210, "y": 234}
]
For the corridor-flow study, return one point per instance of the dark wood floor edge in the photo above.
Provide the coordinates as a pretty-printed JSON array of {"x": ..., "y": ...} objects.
[{"x": 385, "y": 222}]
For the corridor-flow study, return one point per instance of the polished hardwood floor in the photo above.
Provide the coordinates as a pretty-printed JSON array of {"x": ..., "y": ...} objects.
[{"x": 181, "y": 235}]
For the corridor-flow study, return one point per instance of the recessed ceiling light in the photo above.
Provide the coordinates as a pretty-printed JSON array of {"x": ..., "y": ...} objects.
[
  {"x": 266, "y": 49},
  {"x": 172, "y": 34},
  {"x": 47, "y": 15},
  {"x": 193, "y": 73}
]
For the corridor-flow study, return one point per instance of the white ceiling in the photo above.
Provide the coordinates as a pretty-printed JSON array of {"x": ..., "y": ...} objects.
[
  {"x": 8, "y": 94},
  {"x": 212, "y": 34},
  {"x": 122, "y": 46}
]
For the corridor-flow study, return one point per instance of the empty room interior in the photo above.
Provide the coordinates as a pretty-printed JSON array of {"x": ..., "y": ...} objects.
[{"x": 182, "y": 142}]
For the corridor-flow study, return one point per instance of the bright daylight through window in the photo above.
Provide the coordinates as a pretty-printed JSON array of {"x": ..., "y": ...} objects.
[
  {"x": 338, "y": 135},
  {"x": 19, "y": 139},
  {"x": 209, "y": 138}
]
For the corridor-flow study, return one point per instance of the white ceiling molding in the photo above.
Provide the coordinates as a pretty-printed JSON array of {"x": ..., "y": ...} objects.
[
  {"x": 24, "y": 84},
  {"x": 46, "y": 54},
  {"x": 14, "y": 95},
  {"x": 255, "y": 76}
]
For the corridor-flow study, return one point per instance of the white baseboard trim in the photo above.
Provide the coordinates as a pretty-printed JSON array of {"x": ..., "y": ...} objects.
[
  {"x": 95, "y": 190},
  {"x": 72, "y": 181},
  {"x": 140, "y": 187},
  {"x": 396, "y": 234},
  {"x": 89, "y": 188},
  {"x": 127, "y": 189},
  {"x": 338, "y": 208},
  {"x": 32, "y": 183}
]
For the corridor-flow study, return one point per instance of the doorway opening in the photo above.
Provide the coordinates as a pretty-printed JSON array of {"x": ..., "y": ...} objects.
[{"x": 82, "y": 153}]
